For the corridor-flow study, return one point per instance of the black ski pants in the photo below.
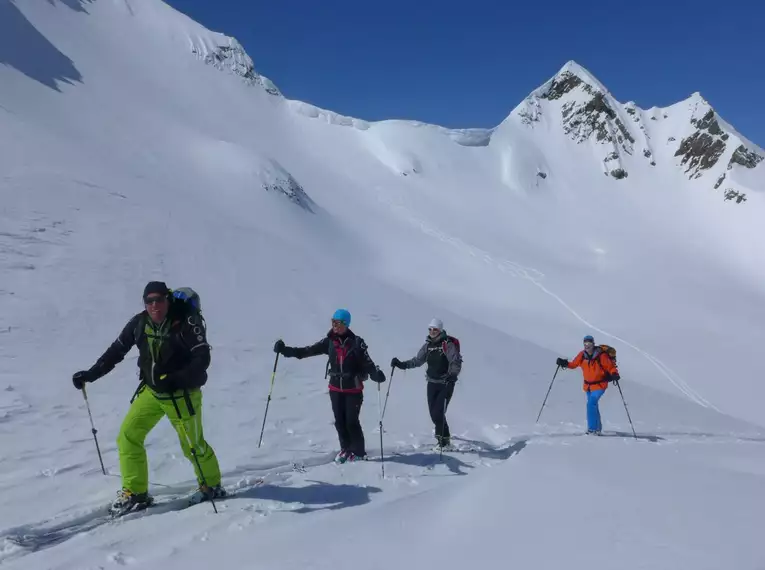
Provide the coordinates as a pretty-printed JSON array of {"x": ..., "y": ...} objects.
[
  {"x": 347, "y": 408},
  {"x": 439, "y": 396}
]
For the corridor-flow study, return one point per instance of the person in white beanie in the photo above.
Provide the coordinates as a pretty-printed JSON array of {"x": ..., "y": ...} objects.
[{"x": 441, "y": 352}]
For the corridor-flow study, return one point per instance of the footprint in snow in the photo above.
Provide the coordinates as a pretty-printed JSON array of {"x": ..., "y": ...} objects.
[{"x": 120, "y": 558}]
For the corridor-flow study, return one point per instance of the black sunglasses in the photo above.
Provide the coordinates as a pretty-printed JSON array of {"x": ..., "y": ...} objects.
[{"x": 153, "y": 300}]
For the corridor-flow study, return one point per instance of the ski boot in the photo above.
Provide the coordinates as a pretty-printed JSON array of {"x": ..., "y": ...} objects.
[
  {"x": 128, "y": 502},
  {"x": 443, "y": 444},
  {"x": 342, "y": 456},
  {"x": 205, "y": 493},
  {"x": 352, "y": 457}
]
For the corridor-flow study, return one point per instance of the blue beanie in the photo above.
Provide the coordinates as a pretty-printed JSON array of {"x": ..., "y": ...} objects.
[
  {"x": 342, "y": 315},
  {"x": 588, "y": 338}
]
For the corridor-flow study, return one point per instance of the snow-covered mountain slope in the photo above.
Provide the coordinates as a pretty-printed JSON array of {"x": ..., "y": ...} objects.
[{"x": 135, "y": 144}]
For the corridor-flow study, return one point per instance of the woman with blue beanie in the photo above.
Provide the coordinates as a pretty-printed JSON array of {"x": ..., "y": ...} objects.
[{"x": 349, "y": 366}]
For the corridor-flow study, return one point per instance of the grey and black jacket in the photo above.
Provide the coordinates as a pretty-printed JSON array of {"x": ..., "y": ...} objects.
[{"x": 442, "y": 357}]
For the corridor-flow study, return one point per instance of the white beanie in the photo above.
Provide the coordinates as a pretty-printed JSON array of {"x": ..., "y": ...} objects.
[{"x": 436, "y": 324}]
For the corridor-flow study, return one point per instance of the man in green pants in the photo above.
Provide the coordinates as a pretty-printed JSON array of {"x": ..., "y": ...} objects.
[{"x": 173, "y": 359}]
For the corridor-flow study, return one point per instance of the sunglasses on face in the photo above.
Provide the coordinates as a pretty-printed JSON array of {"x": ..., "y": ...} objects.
[
  {"x": 589, "y": 344},
  {"x": 337, "y": 323},
  {"x": 431, "y": 329},
  {"x": 154, "y": 300}
]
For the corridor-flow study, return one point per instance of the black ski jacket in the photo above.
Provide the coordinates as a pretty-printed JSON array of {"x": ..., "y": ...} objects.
[
  {"x": 349, "y": 360},
  {"x": 177, "y": 348}
]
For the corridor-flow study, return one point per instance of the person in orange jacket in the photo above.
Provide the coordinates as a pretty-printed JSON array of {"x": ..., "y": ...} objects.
[{"x": 598, "y": 370}]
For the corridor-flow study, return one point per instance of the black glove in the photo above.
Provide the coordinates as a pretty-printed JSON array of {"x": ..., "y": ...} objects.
[
  {"x": 377, "y": 376},
  {"x": 562, "y": 362},
  {"x": 396, "y": 363},
  {"x": 80, "y": 378},
  {"x": 279, "y": 346},
  {"x": 615, "y": 378}
]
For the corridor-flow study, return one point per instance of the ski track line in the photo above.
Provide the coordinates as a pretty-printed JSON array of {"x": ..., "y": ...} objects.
[
  {"x": 26, "y": 539},
  {"x": 533, "y": 276}
]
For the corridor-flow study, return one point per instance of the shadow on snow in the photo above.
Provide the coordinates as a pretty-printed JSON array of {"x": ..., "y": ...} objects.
[
  {"x": 24, "y": 48},
  {"x": 314, "y": 497},
  {"x": 453, "y": 463}
]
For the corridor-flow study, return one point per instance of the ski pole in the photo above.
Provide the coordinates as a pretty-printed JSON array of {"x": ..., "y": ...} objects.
[
  {"x": 443, "y": 429},
  {"x": 199, "y": 467},
  {"x": 625, "y": 408},
  {"x": 191, "y": 446},
  {"x": 273, "y": 375},
  {"x": 93, "y": 429},
  {"x": 548, "y": 393},
  {"x": 379, "y": 407},
  {"x": 387, "y": 393}
]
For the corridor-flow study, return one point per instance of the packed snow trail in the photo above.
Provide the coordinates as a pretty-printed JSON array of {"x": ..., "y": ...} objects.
[{"x": 250, "y": 482}]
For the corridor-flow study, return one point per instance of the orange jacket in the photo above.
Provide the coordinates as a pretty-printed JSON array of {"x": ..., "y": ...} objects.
[{"x": 596, "y": 369}]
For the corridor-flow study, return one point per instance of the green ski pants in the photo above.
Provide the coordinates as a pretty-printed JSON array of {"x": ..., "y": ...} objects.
[{"x": 144, "y": 414}]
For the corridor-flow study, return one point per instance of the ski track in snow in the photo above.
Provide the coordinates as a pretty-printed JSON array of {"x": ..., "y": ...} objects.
[
  {"x": 535, "y": 276},
  {"x": 244, "y": 481},
  {"x": 28, "y": 539}
]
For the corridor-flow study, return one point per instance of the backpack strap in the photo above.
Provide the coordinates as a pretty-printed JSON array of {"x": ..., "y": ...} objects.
[{"x": 139, "y": 331}]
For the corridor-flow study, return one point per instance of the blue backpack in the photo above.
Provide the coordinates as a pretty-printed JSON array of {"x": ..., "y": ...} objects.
[{"x": 188, "y": 296}]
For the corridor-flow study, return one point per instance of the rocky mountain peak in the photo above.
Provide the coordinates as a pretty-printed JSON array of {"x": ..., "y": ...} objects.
[
  {"x": 228, "y": 55},
  {"x": 589, "y": 112},
  {"x": 697, "y": 139},
  {"x": 701, "y": 150},
  {"x": 710, "y": 140}
]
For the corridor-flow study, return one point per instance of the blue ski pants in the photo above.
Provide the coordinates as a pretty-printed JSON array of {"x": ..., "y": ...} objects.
[{"x": 593, "y": 412}]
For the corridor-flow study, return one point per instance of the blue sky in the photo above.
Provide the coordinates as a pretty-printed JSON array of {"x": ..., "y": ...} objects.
[{"x": 467, "y": 64}]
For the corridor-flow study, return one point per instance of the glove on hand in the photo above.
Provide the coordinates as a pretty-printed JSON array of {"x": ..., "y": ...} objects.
[
  {"x": 377, "y": 376},
  {"x": 80, "y": 378}
]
